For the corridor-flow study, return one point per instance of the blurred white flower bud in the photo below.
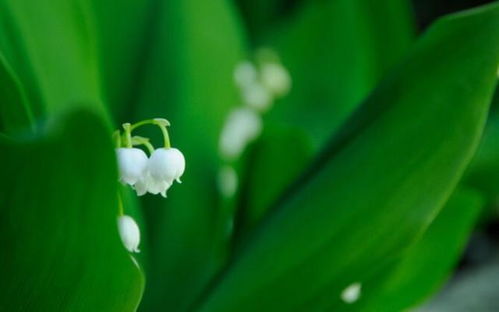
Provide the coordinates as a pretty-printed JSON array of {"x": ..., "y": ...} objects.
[
  {"x": 166, "y": 165},
  {"x": 351, "y": 293},
  {"x": 257, "y": 96},
  {"x": 245, "y": 74},
  {"x": 132, "y": 163},
  {"x": 129, "y": 233},
  {"x": 243, "y": 125},
  {"x": 275, "y": 78},
  {"x": 227, "y": 181}
]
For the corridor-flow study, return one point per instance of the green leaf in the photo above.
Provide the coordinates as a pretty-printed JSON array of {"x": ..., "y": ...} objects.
[
  {"x": 262, "y": 15},
  {"x": 279, "y": 156},
  {"x": 51, "y": 49},
  {"x": 336, "y": 52},
  {"x": 61, "y": 248},
  {"x": 483, "y": 173},
  {"x": 189, "y": 81},
  {"x": 331, "y": 74},
  {"x": 125, "y": 32},
  {"x": 381, "y": 181},
  {"x": 15, "y": 113},
  {"x": 427, "y": 264}
]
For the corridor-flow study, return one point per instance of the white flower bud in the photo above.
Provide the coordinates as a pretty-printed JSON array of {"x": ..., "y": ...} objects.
[
  {"x": 275, "y": 78},
  {"x": 132, "y": 163},
  {"x": 256, "y": 96},
  {"x": 166, "y": 165},
  {"x": 227, "y": 181},
  {"x": 129, "y": 232},
  {"x": 243, "y": 125},
  {"x": 351, "y": 293},
  {"x": 245, "y": 74}
]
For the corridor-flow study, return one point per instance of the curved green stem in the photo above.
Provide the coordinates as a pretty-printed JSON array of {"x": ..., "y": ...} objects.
[
  {"x": 166, "y": 137},
  {"x": 137, "y": 140},
  {"x": 128, "y": 135},
  {"x": 117, "y": 138},
  {"x": 149, "y": 147},
  {"x": 121, "y": 211},
  {"x": 142, "y": 123},
  {"x": 160, "y": 122}
]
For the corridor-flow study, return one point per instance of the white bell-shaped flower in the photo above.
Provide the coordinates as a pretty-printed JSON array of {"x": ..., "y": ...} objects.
[
  {"x": 141, "y": 187},
  {"x": 166, "y": 165},
  {"x": 148, "y": 184},
  {"x": 129, "y": 233},
  {"x": 158, "y": 186},
  {"x": 132, "y": 163},
  {"x": 275, "y": 78}
]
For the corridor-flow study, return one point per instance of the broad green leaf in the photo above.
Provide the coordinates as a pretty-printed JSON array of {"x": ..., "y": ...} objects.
[
  {"x": 336, "y": 52},
  {"x": 15, "y": 113},
  {"x": 350, "y": 44},
  {"x": 381, "y": 181},
  {"x": 125, "y": 32},
  {"x": 495, "y": 103},
  {"x": 189, "y": 81},
  {"x": 277, "y": 158},
  {"x": 51, "y": 47},
  {"x": 262, "y": 15},
  {"x": 425, "y": 266},
  {"x": 483, "y": 172},
  {"x": 58, "y": 230}
]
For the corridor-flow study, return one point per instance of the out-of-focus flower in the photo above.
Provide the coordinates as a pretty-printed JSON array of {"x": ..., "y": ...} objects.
[
  {"x": 227, "y": 181},
  {"x": 260, "y": 80},
  {"x": 243, "y": 125},
  {"x": 256, "y": 96},
  {"x": 263, "y": 81},
  {"x": 276, "y": 79},
  {"x": 351, "y": 293},
  {"x": 245, "y": 74}
]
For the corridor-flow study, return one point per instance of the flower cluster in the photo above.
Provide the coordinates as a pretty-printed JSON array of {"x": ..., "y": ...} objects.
[
  {"x": 260, "y": 81},
  {"x": 263, "y": 80},
  {"x": 154, "y": 174}
]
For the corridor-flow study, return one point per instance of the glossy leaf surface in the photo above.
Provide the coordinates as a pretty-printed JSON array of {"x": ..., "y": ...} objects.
[{"x": 382, "y": 180}]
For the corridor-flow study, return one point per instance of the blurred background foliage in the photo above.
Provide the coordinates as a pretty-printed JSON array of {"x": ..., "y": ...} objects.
[{"x": 365, "y": 172}]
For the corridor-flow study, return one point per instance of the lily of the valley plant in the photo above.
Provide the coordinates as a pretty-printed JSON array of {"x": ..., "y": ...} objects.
[{"x": 339, "y": 157}]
